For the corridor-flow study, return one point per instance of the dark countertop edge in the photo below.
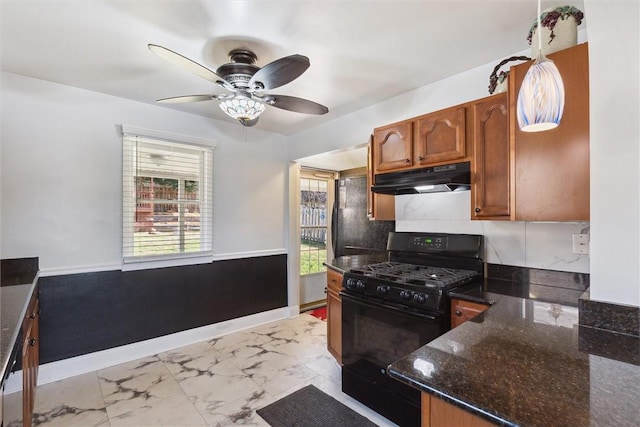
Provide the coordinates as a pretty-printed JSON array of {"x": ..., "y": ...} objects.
[
  {"x": 459, "y": 293},
  {"x": 345, "y": 263},
  {"x": 483, "y": 295},
  {"x": 471, "y": 408},
  {"x": 16, "y": 279},
  {"x": 6, "y": 357},
  {"x": 333, "y": 267}
]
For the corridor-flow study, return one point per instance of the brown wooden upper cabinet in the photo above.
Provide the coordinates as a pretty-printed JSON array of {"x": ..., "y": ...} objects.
[
  {"x": 393, "y": 147},
  {"x": 379, "y": 206},
  {"x": 430, "y": 139},
  {"x": 491, "y": 160},
  {"x": 440, "y": 136},
  {"x": 515, "y": 175},
  {"x": 550, "y": 179}
]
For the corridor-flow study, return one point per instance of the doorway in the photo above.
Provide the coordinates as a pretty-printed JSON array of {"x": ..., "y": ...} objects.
[
  {"x": 316, "y": 200},
  {"x": 307, "y": 291}
]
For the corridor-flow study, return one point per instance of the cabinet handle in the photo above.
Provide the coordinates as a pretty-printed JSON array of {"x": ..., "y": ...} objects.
[
  {"x": 32, "y": 342},
  {"x": 421, "y": 158},
  {"x": 407, "y": 161},
  {"x": 478, "y": 209},
  {"x": 458, "y": 313},
  {"x": 33, "y": 316}
]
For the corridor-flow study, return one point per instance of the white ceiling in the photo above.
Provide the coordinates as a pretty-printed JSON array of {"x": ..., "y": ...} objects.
[{"x": 361, "y": 52}]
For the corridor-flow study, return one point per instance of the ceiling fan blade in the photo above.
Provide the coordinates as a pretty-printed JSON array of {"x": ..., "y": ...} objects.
[
  {"x": 183, "y": 61},
  {"x": 279, "y": 72},
  {"x": 298, "y": 105},
  {"x": 186, "y": 98}
]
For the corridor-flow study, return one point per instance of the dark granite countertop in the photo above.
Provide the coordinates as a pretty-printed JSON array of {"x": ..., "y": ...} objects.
[
  {"x": 345, "y": 263},
  {"x": 17, "y": 288},
  {"x": 481, "y": 292},
  {"x": 526, "y": 362}
]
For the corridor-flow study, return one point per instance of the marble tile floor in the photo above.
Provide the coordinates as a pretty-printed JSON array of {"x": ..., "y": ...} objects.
[{"x": 220, "y": 382}]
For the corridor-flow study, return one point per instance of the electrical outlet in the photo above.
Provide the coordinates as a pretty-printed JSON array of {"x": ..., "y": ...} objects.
[{"x": 581, "y": 244}]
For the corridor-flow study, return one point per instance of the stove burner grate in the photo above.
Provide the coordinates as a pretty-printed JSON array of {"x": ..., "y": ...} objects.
[{"x": 422, "y": 275}]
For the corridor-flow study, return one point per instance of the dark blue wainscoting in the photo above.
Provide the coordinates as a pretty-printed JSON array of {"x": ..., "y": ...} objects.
[{"x": 88, "y": 312}]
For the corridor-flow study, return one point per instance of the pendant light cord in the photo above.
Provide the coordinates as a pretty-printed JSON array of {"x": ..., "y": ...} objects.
[{"x": 539, "y": 33}]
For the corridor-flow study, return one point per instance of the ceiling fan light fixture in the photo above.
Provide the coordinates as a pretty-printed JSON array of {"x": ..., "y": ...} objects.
[{"x": 242, "y": 108}]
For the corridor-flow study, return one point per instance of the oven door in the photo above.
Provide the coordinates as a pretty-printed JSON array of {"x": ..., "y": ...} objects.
[{"x": 374, "y": 335}]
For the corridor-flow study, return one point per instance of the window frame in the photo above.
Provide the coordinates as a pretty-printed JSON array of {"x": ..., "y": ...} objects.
[{"x": 205, "y": 173}]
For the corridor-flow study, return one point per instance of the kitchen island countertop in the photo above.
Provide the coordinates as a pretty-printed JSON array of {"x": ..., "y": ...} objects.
[{"x": 526, "y": 362}]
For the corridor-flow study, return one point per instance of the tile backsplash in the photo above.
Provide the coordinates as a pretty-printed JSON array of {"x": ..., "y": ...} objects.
[{"x": 544, "y": 245}]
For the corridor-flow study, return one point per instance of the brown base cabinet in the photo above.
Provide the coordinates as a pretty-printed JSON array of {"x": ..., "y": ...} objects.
[
  {"x": 438, "y": 413},
  {"x": 462, "y": 310},
  {"x": 334, "y": 314},
  {"x": 30, "y": 358}
]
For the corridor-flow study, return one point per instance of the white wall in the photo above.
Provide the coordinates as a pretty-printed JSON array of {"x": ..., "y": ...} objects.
[
  {"x": 61, "y": 176},
  {"x": 614, "y": 79},
  {"x": 542, "y": 245}
]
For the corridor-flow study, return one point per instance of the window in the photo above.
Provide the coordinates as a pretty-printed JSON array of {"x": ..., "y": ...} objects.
[
  {"x": 167, "y": 192},
  {"x": 313, "y": 224}
]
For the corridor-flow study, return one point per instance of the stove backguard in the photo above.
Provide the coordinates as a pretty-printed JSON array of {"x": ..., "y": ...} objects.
[{"x": 461, "y": 251}]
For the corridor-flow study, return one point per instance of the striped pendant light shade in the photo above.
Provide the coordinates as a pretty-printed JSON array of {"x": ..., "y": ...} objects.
[{"x": 541, "y": 97}]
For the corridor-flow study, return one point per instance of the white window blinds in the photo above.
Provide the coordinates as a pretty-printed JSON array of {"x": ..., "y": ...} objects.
[{"x": 167, "y": 198}]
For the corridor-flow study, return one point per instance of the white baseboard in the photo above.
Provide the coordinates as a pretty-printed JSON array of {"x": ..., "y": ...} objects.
[
  {"x": 294, "y": 310},
  {"x": 66, "y": 368}
]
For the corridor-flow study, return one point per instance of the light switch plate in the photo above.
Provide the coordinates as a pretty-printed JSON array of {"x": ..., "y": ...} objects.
[{"x": 581, "y": 244}]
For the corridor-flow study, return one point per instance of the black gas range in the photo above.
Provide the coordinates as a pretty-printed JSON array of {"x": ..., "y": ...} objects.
[{"x": 392, "y": 308}]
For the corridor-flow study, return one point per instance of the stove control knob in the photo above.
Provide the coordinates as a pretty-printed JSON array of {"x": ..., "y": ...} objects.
[
  {"x": 406, "y": 295},
  {"x": 350, "y": 284},
  {"x": 360, "y": 285},
  {"x": 383, "y": 289},
  {"x": 420, "y": 298}
]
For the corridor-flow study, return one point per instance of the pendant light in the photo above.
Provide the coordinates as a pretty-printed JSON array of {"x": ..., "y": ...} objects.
[{"x": 541, "y": 97}]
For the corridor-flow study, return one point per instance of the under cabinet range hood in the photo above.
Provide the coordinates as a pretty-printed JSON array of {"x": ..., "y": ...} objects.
[{"x": 434, "y": 179}]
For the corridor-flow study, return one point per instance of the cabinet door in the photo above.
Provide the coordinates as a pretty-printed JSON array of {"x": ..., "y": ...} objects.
[
  {"x": 379, "y": 206},
  {"x": 441, "y": 136},
  {"x": 461, "y": 311},
  {"x": 30, "y": 360},
  {"x": 334, "y": 280},
  {"x": 490, "y": 189},
  {"x": 438, "y": 413},
  {"x": 392, "y": 147},
  {"x": 334, "y": 314},
  {"x": 552, "y": 167},
  {"x": 334, "y": 324}
]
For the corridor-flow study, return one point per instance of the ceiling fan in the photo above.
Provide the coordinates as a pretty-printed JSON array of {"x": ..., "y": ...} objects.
[{"x": 246, "y": 83}]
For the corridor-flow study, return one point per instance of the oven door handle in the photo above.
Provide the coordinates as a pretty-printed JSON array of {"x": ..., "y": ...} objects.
[{"x": 388, "y": 306}]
